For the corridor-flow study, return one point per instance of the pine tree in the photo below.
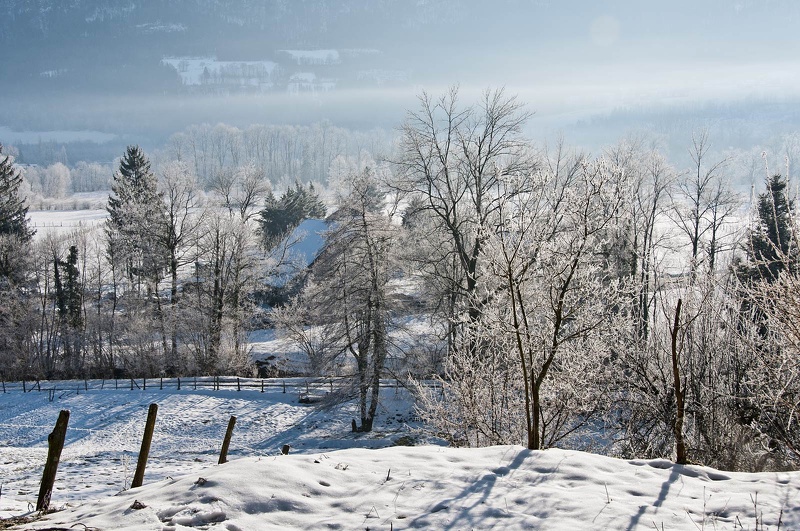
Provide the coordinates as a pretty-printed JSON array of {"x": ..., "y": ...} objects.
[
  {"x": 280, "y": 216},
  {"x": 16, "y": 306},
  {"x": 136, "y": 218},
  {"x": 69, "y": 302},
  {"x": 15, "y": 231},
  {"x": 13, "y": 211},
  {"x": 770, "y": 247}
]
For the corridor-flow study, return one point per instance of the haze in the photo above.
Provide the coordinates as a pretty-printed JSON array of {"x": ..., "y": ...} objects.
[{"x": 591, "y": 69}]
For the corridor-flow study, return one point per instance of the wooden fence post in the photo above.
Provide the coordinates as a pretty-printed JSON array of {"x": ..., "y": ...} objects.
[
  {"x": 223, "y": 454},
  {"x": 179, "y": 384},
  {"x": 138, "y": 477},
  {"x": 238, "y": 385},
  {"x": 55, "y": 443}
]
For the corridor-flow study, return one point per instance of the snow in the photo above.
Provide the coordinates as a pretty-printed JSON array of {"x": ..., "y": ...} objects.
[
  {"x": 334, "y": 479},
  {"x": 208, "y": 70},
  {"x": 298, "y": 250},
  {"x": 313, "y": 57},
  {"x": 106, "y": 426},
  {"x": 64, "y": 221}
]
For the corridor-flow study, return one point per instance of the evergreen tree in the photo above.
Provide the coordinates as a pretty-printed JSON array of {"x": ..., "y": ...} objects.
[
  {"x": 15, "y": 231},
  {"x": 69, "y": 292},
  {"x": 280, "y": 216},
  {"x": 770, "y": 247},
  {"x": 136, "y": 218},
  {"x": 69, "y": 302},
  {"x": 15, "y": 293}
]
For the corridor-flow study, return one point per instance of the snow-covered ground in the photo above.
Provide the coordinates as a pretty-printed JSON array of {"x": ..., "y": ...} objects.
[
  {"x": 334, "y": 479},
  {"x": 106, "y": 427},
  {"x": 61, "y": 222}
]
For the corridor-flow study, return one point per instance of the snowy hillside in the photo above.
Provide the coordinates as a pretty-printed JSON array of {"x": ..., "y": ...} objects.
[
  {"x": 333, "y": 479},
  {"x": 106, "y": 427},
  {"x": 446, "y": 488}
]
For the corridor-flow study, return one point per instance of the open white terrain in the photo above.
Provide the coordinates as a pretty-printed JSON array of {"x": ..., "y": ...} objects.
[{"x": 335, "y": 479}]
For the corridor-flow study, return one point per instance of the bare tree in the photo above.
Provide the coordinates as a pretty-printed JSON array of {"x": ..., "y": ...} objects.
[
  {"x": 453, "y": 156},
  {"x": 543, "y": 334},
  {"x": 704, "y": 203},
  {"x": 179, "y": 234},
  {"x": 348, "y": 300}
]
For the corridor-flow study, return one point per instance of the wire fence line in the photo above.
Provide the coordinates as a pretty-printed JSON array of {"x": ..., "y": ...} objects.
[{"x": 304, "y": 386}]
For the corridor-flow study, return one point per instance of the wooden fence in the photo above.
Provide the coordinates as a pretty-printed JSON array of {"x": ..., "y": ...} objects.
[{"x": 304, "y": 386}]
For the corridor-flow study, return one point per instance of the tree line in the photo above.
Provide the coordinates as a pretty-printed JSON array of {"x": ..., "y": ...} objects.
[
  {"x": 602, "y": 302},
  {"x": 168, "y": 285}
]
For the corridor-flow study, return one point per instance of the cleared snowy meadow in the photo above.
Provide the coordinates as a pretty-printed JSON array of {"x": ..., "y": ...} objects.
[{"x": 335, "y": 479}]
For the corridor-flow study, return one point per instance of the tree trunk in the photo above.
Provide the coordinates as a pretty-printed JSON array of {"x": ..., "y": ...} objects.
[{"x": 680, "y": 444}]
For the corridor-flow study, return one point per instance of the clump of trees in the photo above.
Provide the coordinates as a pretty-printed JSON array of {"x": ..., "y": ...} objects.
[{"x": 165, "y": 288}]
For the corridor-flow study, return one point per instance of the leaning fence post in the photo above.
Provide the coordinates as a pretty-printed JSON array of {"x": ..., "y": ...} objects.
[
  {"x": 223, "y": 454},
  {"x": 138, "y": 477},
  {"x": 55, "y": 443}
]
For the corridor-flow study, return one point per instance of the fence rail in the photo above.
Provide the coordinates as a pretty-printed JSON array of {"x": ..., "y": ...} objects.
[{"x": 298, "y": 385}]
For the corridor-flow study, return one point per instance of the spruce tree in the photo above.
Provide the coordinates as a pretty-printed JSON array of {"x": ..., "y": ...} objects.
[
  {"x": 280, "y": 216},
  {"x": 770, "y": 247},
  {"x": 15, "y": 231},
  {"x": 136, "y": 218},
  {"x": 69, "y": 302},
  {"x": 13, "y": 211}
]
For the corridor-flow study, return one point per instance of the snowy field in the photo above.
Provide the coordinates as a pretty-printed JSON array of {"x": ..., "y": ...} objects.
[
  {"x": 106, "y": 427},
  {"x": 63, "y": 222},
  {"x": 334, "y": 479}
]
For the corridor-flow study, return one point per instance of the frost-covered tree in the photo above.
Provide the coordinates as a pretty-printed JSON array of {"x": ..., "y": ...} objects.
[
  {"x": 703, "y": 205},
  {"x": 180, "y": 234},
  {"x": 15, "y": 271},
  {"x": 542, "y": 338},
  {"x": 136, "y": 219},
  {"x": 348, "y": 300},
  {"x": 453, "y": 156},
  {"x": 13, "y": 210}
]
